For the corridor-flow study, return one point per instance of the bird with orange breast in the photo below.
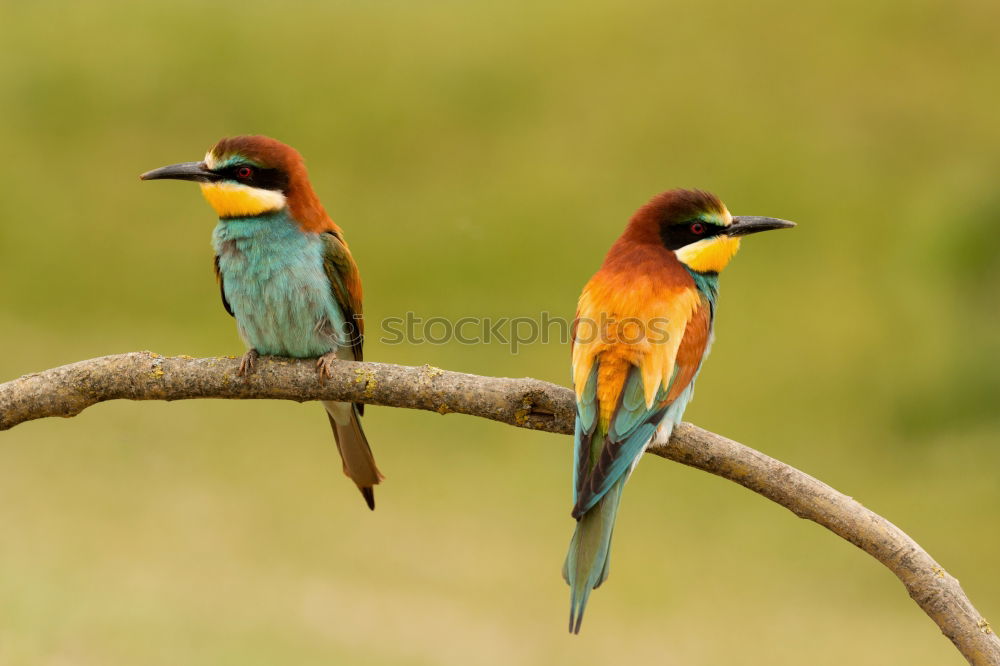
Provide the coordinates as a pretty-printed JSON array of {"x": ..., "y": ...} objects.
[
  {"x": 643, "y": 329},
  {"x": 285, "y": 272}
]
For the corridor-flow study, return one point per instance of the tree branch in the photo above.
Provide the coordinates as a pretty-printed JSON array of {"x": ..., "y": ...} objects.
[{"x": 526, "y": 403}]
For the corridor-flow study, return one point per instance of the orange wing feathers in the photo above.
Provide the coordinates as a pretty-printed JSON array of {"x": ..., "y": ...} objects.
[
  {"x": 691, "y": 352},
  {"x": 635, "y": 312}
]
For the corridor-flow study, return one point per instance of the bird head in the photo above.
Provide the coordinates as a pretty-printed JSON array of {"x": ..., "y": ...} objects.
[
  {"x": 697, "y": 228},
  {"x": 249, "y": 176}
]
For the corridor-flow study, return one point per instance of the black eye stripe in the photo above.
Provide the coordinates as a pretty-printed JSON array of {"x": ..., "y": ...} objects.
[
  {"x": 676, "y": 236},
  {"x": 268, "y": 179}
]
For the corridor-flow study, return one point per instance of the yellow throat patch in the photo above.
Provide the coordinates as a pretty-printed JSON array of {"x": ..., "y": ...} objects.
[
  {"x": 709, "y": 255},
  {"x": 235, "y": 200}
]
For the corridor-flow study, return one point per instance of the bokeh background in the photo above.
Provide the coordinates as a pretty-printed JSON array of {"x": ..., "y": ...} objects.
[{"x": 482, "y": 157}]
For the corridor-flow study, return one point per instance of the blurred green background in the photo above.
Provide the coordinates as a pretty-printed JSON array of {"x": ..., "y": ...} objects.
[{"x": 482, "y": 158}]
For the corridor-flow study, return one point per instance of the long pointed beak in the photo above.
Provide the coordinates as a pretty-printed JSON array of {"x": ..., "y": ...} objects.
[
  {"x": 751, "y": 224},
  {"x": 196, "y": 171}
]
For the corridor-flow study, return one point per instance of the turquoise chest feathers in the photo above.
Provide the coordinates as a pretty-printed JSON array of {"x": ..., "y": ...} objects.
[
  {"x": 707, "y": 284},
  {"x": 274, "y": 280}
]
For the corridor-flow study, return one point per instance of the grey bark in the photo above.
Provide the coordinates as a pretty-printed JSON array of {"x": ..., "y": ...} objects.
[{"x": 525, "y": 403}]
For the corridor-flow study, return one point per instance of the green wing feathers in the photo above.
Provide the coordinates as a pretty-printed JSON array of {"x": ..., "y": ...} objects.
[{"x": 345, "y": 283}]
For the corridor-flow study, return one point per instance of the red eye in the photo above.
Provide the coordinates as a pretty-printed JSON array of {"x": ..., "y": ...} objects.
[
  {"x": 698, "y": 228},
  {"x": 244, "y": 172}
]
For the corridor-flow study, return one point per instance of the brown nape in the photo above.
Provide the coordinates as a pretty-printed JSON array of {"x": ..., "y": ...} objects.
[
  {"x": 273, "y": 154},
  {"x": 667, "y": 208}
]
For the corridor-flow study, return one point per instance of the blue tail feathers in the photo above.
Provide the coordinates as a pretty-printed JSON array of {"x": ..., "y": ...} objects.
[{"x": 586, "y": 565}]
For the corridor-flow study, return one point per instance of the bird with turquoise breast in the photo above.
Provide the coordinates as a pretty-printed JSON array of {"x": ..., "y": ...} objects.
[
  {"x": 643, "y": 329},
  {"x": 285, "y": 272}
]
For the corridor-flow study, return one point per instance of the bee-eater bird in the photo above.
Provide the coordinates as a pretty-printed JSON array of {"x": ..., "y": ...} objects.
[
  {"x": 643, "y": 329},
  {"x": 284, "y": 272}
]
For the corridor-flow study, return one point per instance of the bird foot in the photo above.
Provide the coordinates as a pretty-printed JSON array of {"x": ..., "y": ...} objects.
[
  {"x": 324, "y": 365},
  {"x": 248, "y": 363}
]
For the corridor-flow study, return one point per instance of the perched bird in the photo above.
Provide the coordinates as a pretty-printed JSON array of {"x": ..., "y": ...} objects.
[
  {"x": 285, "y": 272},
  {"x": 643, "y": 328}
]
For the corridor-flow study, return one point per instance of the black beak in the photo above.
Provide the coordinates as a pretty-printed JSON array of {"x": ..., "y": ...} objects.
[
  {"x": 751, "y": 224},
  {"x": 196, "y": 171}
]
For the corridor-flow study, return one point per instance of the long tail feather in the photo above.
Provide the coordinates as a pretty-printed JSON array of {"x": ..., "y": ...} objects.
[
  {"x": 359, "y": 463},
  {"x": 587, "y": 561}
]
